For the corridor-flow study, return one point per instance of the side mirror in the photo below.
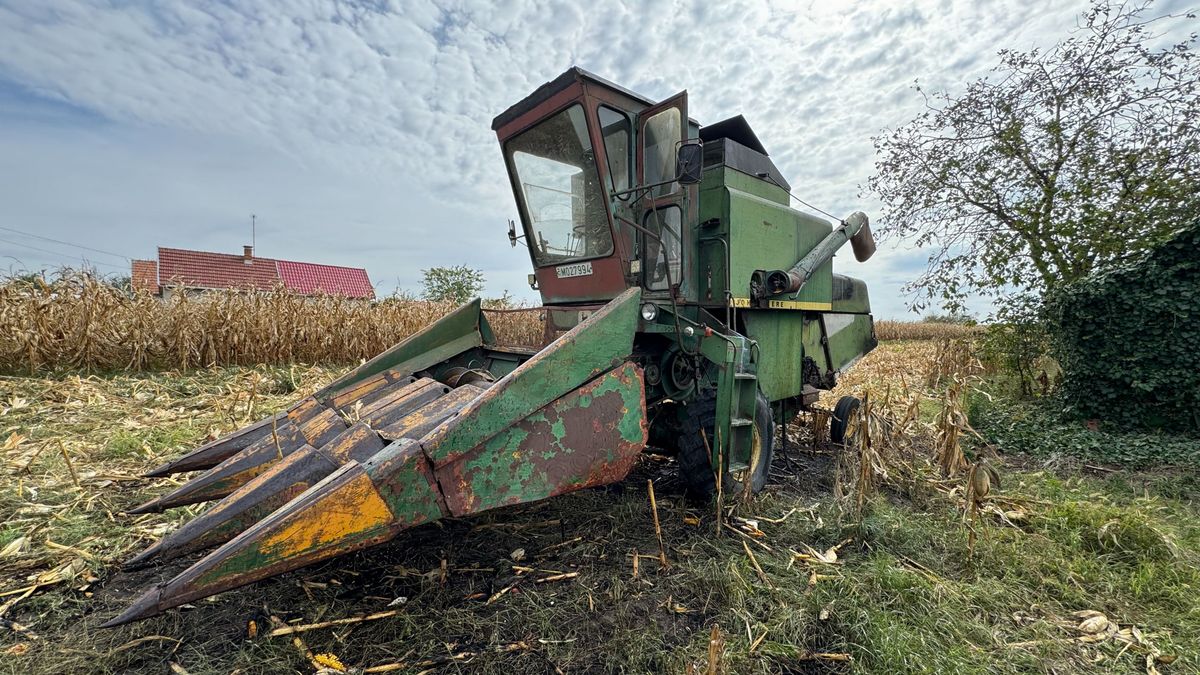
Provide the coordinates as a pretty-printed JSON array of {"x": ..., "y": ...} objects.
[
  {"x": 512, "y": 233},
  {"x": 689, "y": 163}
]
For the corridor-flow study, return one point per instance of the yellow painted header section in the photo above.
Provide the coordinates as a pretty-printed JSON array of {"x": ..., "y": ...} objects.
[{"x": 354, "y": 506}]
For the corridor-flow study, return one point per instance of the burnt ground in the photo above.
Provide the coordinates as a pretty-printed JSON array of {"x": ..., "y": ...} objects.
[{"x": 603, "y": 619}]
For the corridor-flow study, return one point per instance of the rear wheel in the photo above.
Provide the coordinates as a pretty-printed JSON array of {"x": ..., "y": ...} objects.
[
  {"x": 695, "y": 467},
  {"x": 845, "y": 414}
]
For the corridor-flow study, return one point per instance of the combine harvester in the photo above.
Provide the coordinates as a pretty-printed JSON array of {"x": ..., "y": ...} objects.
[{"x": 684, "y": 300}]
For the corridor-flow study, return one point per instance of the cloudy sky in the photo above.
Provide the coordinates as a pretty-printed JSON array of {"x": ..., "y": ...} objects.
[{"x": 359, "y": 132}]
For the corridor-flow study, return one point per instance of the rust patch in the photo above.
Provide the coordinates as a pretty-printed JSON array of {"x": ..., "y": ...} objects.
[
  {"x": 397, "y": 473},
  {"x": 398, "y": 409},
  {"x": 395, "y": 396},
  {"x": 286, "y": 465},
  {"x": 304, "y": 409},
  {"x": 421, "y": 421},
  {"x": 285, "y": 435},
  {"x": 216, "y": 487},
  {"x": 359, "y": 391},
  {"x": 390, "y": 391},
  {"x": 358, "y": 442},
  {"x": 591, "y": 436},
  {"x": 356, "y": 391},
  {"x": 322, "y": 427},
  {"x": 235, "y": 471}
]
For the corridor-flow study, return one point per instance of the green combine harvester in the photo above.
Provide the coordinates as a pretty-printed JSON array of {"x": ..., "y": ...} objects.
[{"x": 685, "y": 301}]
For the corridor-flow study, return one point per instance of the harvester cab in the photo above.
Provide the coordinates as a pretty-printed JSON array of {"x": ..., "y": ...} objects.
[
  {"x": 595, "y": 172},
  {"x": 686, "y": 304}
]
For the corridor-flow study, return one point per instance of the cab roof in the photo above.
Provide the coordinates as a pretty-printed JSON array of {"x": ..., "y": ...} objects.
[{"x": 544, "y": 92}]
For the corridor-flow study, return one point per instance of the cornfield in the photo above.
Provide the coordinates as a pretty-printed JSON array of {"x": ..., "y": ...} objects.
[
  {"x": 922, "y": 330},
  {"x": 897, "y": 444},
  {"x": 77, "y": 321}
]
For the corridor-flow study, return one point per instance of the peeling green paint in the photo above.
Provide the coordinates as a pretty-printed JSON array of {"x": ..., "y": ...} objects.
[
  {"x": 454, "y": 333},
  {"x": 587, "y": 437},
  {"x": 592, "y": 347}
]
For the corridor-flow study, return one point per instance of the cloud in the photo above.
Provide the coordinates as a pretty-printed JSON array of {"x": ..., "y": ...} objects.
[{"x": 360, "y": 132}]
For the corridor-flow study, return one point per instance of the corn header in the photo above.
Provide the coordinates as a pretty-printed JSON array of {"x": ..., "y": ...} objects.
[{"x": 685, "y": 302}]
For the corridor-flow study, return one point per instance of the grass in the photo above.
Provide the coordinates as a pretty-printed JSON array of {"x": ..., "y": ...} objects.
[
  {"x": 908, "y": 592},
  {"x": 153, "y": 441}
]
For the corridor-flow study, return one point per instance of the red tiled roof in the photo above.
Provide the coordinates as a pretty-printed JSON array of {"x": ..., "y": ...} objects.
[
  {"x": 312, "y": 278},
  {"x": 203, "y": 269}
]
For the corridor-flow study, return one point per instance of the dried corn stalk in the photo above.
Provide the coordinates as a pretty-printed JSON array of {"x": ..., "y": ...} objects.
[{"x": 79, "y": 321}]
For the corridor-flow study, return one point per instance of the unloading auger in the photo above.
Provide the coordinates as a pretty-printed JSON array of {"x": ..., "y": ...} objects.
[{"x": 678, "y": 286}]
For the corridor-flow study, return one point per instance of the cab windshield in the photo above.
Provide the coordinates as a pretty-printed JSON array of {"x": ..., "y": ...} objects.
[{"x": 560, "y": 189}]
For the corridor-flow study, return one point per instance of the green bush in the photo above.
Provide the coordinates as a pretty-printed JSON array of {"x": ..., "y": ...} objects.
[
  {"x": 953, "y": 318},
  {"x": 1038, "y": 428},
  {"x": 1128, "y": 338},
  {"x": 1018, "y": 348}
]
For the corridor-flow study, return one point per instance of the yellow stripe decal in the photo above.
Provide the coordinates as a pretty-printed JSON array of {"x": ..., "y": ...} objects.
[{"x": 787, "y": 304}]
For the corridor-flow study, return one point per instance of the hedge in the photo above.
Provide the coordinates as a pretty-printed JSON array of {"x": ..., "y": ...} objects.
[{"x": 1128, "y": 338}]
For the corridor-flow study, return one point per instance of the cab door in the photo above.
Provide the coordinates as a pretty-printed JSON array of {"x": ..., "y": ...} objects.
[{"x": 663, "y": 210}]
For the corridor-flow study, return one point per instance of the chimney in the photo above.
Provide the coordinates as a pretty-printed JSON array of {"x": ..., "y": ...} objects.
[
  {"x": 248, "y": 254},
  {"x": 144, "y": 276}
]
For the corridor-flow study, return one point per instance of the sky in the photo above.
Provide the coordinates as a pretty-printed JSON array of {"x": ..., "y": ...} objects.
[{"x": 359, "y": 133}]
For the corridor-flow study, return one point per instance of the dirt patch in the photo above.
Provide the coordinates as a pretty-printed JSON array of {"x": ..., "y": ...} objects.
[{"x": 462, "y": 586}]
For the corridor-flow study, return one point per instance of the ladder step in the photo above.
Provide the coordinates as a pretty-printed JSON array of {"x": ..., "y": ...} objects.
[
  {"x": 745, "y": 376},
  {"x": 740, "y": 422}
]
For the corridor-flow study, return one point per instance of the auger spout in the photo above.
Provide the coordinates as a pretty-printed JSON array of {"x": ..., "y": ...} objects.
[{"x": 856, "y": 229}]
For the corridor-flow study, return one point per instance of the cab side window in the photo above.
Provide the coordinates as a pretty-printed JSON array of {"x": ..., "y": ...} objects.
[
  {"x": 617, "y": 129},
  {"x": 662, "y": 263},
  {"x": 661, "y": 133}
]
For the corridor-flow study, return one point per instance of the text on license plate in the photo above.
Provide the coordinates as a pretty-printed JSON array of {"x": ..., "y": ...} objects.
[{"x": 575, "y": 270}]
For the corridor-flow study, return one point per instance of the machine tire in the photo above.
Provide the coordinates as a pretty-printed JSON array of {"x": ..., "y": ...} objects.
[
  {"x": 666, "y": 429},
  {"x": 840, "y": 421},
  {"x": 695, "y": 468}
]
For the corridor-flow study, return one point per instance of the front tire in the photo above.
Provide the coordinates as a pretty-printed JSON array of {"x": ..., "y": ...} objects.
[
  {"x": 695, "y": 466},
  {"x": 844, "y": 414}
]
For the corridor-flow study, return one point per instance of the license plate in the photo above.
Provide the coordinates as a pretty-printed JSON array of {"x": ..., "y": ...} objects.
[{"x": 575, "y": 270}]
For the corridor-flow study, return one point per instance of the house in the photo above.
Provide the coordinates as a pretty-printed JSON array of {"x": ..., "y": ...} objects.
[{"x": 198, "y": 271}]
